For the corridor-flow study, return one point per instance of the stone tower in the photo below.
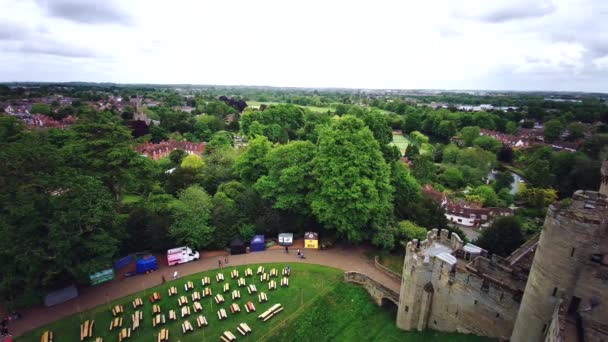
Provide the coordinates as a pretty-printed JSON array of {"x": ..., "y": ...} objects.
[
  {"x": 604, "y": 174},
  {"x": 567, "y": 266}
]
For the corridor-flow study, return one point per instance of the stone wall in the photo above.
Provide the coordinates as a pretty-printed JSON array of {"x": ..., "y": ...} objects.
[
  {"x": 375, "y": 289},
  {"x": 556, "y": 333},
  {"x": 439, "y": 296},
  {"x": 385, "y": 269}
]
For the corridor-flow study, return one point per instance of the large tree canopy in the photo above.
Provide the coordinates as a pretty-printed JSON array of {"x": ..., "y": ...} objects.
[
  {"x": 353, "y": 191},
  {"x": 192, "y": 218}
]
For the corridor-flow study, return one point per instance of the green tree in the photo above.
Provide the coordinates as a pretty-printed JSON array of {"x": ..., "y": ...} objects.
[
  {"x": 193, "y": 162},
  {"x": 450, "y": 154},
  {"x": 192, "y": 218},
  {"x": 452, "y": 177},
  {"x": 469, "y": 134},
  {"x": 537, "y": 197},
  {"x": 353, "y": 191},
  {"x": 576, "y": 130},
  {"x": 486, "y": 193},
  {"x": 251, "y": 165},
  {"x": 407, "y": 189},
  {"x": 424, "y": 169},
  {"x": 503, "y": 237},
  {"x": 176, "y": 156},
  {"x": 41, "y": 108},
  {"x": 220, "y": 140},
  {"x": 488, "y": 144},
  {"x": 553, "y": 130},
  {"x": 408, "y": 230},
  {"x": 503, "y": 181},
  {"x": 511, "y": 128},
  {"x": 289, "y": 177}
]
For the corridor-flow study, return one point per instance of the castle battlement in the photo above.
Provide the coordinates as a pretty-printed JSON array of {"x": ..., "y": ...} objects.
[{"x": 433, "y": 237}]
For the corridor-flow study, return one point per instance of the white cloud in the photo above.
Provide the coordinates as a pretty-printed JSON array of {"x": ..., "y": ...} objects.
[{"x": 513, "y": 44}]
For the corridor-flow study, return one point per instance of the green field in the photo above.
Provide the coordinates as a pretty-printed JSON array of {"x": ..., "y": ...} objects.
[
  {"x": 317, "y": 303},
  {"x": 312, "y": 108},
  {"x": 401, "y": 142}
]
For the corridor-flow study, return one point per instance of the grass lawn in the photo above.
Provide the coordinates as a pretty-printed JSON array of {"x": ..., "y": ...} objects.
[
  {"x": 401, "y": 142},
  {"x": 316, "y": 303},
  {"x": 312, "y": 108},
  {"x": 346, "y": 313}
]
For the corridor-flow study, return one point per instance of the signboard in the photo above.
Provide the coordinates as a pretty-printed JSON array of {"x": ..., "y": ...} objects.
[
  {"x": 311, "y": 240},
  {"x": 102, "y": 276},
  {"x": 286, "y": 239}
]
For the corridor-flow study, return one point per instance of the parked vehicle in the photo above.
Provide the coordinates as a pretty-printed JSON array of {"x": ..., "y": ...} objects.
[
  {"x": 181, "y": 255},
  {"x": 146, "y": 264}
]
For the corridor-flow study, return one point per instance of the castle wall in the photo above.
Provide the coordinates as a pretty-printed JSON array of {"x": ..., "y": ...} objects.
[
  {"x": 459, "y": 300},
  {"x": 563, "y": 249}
]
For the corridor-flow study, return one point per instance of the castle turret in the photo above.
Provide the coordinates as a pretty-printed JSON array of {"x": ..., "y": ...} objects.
[
  {"x": 604, "y": 183},
  {"x": 570, "y": 242}
]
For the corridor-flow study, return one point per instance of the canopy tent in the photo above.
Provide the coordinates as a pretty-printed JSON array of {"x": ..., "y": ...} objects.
[
  {"x": 286, "y": 239},
  {"x": 60, "y": 296},
  {"x": 237, "y": 246},
  {"x": 258, "y": 244}
]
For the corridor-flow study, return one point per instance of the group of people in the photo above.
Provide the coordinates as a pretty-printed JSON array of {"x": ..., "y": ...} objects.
[{"x": 219, "y": 261}]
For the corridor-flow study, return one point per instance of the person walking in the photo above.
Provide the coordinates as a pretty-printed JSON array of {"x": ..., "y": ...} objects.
[
  {"x": 219, "y": 263},
  {"x": 226, "y": 260},
  {"x": 299, "y": 253},
  {"x": 287, "y": 249}
]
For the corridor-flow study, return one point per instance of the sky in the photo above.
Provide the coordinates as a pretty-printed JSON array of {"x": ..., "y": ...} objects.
[{"x": 431, "y": 44}]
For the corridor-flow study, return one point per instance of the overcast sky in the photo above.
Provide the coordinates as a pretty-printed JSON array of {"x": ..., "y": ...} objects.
[{"x": 463, "y": 44}]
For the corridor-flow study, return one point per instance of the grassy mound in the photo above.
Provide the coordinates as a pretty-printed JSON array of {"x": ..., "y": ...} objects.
[
  {"x": 346, "y": 313},
  {"x": 317, "y": 303}
]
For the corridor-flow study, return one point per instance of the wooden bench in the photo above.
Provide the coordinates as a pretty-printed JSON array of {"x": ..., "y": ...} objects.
[
  {"x": 228, "y": 336},
  {"x": 188, "y": 286},
  {"x": 226, "y": 287},
  {"x": 47, "y": 336},
  {"x": 260, "y": 269},
  {"x": 234, "y": 308},
  {"x": 244, "y": 329},
  {"x": 221, "y": 314},
  {"x": 155, "y": 297},
  {"x": 117, "y": 310},
  {"x": 274, "y": 272},
  {"x": 116, "y": 323},
  {"x": 219, "y": 277},
  {"x": 137, "y": 302},
  {"x": 155, "y": 309},
  {"x": 262, "y": 297},
  {"x": 272, "y": 285},
  {"x": 286, "y": 272},
  {"x": 183, "y": 300},
  {"x": 86, "y": 329},
  {"x": 248, "y": 272},
  {"x": 158, "y": 319},
  {"x": 236, "y": 294},
  {"x": 234, "y": 274},
  {"x": 163, "y": 335},
  {"x": 249, "y": 307},
  {"x": 201, "y": 321},
  {"x": 275, "y": 309},
  {"x": 186, "y": 327},
  {"x": 124, "y": 334},
  {"x": 285, "y": 282},
  {"x": 196, "y": 296},
  {"x": 172, "y": 291},
  {"x": 197, "y": 307},
  {"x": 219, "y": 299},
  {"x": 185, "y": 311},
  {"x": 252, "y": 289},
  {"x": 136, "y": 319},
  {"x": 205, "y": 281},
  {"x": 241, "y": 282},
  {"x": 172, "y": 315},
  {"x": 207, "y": 292}
]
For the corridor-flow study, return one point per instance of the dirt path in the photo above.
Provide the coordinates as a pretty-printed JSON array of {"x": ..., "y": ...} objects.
[{"x": 347, "y": 259}]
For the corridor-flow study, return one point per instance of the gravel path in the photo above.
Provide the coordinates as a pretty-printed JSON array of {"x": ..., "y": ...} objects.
[{"x": 347, "y": 259}]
